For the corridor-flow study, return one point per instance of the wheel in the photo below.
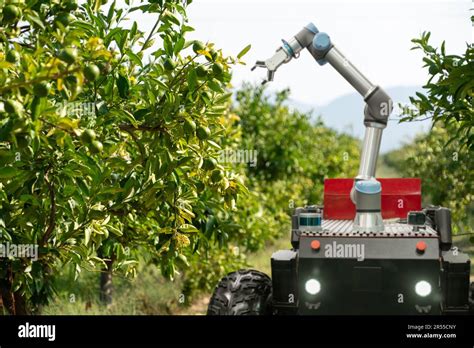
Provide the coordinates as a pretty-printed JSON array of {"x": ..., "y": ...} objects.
[{"x": 245, "y": 292}]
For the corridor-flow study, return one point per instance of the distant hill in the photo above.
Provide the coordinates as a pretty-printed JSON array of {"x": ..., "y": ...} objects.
[{"x": 345, "y": 114}]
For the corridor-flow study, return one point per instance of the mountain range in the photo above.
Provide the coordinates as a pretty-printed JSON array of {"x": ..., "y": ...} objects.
[{"x": 346, "y": 113}]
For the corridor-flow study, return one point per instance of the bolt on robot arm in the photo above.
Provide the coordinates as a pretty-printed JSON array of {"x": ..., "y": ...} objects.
[{"x": 378, "y": 104}]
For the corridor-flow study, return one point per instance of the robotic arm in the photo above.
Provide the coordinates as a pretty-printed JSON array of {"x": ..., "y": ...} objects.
[{"x": 378, "y": 104}]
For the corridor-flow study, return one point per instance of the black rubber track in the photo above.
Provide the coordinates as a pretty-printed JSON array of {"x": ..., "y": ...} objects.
[{"x": 245, "y": 292}]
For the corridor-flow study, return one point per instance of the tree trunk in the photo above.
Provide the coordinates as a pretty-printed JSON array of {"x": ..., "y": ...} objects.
[
  {"x": 13, "y": 302},
  {"x": 21, "y": 307},
  {"x": 106, "y": 284},
  {"x": 7, "y": 297}
]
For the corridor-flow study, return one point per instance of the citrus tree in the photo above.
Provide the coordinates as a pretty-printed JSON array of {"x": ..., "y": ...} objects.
[
  {"x": 449, "y": 97},
  {"x": 107, "y": 138},
  {"x": 443, "y": 158},
  {"x": 294, "y": 153},
  {"x": 446, "y": 172}
]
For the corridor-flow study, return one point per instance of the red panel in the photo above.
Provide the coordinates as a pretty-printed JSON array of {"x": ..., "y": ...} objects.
[{"x": 399, "y": 196}]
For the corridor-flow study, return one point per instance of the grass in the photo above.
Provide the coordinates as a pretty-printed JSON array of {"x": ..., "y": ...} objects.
[
  {"x": 384, "y": 171},
  {"x": 151, "y": 294},
  {"x": 261, "y": 260},
  {"x": 148, "y": 294}
]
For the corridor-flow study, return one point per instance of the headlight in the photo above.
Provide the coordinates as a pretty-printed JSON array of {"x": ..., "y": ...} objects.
[
  {"x": 423, "y": 288},
  {"x": 312, "y": 286}
]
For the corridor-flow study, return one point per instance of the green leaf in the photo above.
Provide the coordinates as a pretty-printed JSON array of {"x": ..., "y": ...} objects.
[
  {"x": 6, "y": 65},
  {"x": 161, "y": 84},
  {"x": 168, "y": 45},
  {"x": 171, "y": 17},
  {"x": 112, "y": 35},
  {"x": 8, "y": 172},
  {"x": 87, "y": 235},
  {"x": 32, "y": 18},
  {"x": 215, "y": 86},
  {"x": 133, "y": 30},
  {"x": 192, "y": 80},
  {"x": 179, "y": 45},
  {"x": 134, "y": 58},
  {"x": 122, "y": 39},
  {"x": 88, "y": 28},
  {"x": 186, "y": 28},
  {"x": 114, "y": 230},
  {"x": 214, "y": 144},
  {"x": 110, "y": 14},
  {"x": 244, "y": 51},
  {"x": 123, "y": 86},
  {"x": 188, "y": 228}
]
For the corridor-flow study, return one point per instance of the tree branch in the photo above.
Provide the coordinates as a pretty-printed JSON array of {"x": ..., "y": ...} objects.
[
  {"x": 128, "y": 127},
  {"x": 38, "y": 79},
  {"x": 52, "y": 212},
  {"x": 137, "y": 142}
]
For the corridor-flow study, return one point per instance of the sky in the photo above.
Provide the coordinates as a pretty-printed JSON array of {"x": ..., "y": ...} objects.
[{"x": 374, "y": 34}]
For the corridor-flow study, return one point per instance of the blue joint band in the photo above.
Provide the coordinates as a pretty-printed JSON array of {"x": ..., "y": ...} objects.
[
  {"x": 288, "y": 48},
  {"x": 322, "y": 42},
  {"x": 312, "y": 28},
  {"x": 368, "y": 186}
]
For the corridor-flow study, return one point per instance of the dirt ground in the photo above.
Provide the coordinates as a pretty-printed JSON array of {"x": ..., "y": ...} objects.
[{"x": 199, "y": 306}]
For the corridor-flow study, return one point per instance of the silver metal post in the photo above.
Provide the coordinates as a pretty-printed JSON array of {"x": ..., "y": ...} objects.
[
  {"x": 349, "y": 71},
  {"x": 370, "y": 152}
]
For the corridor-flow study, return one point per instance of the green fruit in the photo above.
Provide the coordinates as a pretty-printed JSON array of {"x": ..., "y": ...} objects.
[
  {"x": 200, "y": 187},
  {"x": 217, "y": 175},
  {"x": 41, "y": 89},
  {"x": 13, "y": 56},
  {"x": 92, "y": 72},
  {"x": 209, "y": 164},
  {"x": 11, "y": 13},
  {"x": 217, "y": 69},
  {"x": 88, "y": 136},
  {"x": 203, "y": 132},
  {"x": 64, "y": 18},
  {"x": 96, "y": 146},
  {"x": 68, "y": 55},
  {"x": 201, "y": 71},
  {"x": 169, "y": 64},
  {"x": 213, "y": 56},
  {"x": 198, "y": 46},
  {"x": 12, "y": 107},
  {"x": 189, "y": 126},
  {"x": 433, "y": 70},
  {"x": 23, "y": 140}
]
